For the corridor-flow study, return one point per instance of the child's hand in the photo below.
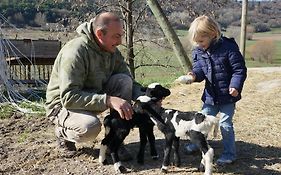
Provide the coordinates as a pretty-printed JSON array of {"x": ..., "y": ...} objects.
[
  {"x": 233, "y": 92},
  {"x": 186, "y": 79}
]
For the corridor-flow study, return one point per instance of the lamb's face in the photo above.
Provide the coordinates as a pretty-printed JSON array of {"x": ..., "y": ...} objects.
[
  {"x": 153, "y": 97},
  {"x": 141, "y": 102},
  {"x": 157, "y": 92}
]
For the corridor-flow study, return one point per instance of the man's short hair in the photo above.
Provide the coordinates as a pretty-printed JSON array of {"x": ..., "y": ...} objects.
[{"x": 101, "y": 21}]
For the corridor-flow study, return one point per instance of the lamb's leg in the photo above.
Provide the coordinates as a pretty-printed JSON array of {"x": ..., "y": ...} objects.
[
  {"x": 114, "y": 147},
  {"x": 151, "y": 139},
  {"x": 104, "y": 145},
  {"x": 176, "y": 145},
  {"x": 207, "y": 153},
  {"x": 143, "y": 141},
  {"x": 169, "y": 137},
  {"x": 102, "y": 155},
  {"x": 208, "y": 157}
]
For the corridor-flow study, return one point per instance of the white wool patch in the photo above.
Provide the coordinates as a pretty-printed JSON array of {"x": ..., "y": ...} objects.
[
  {"x": 168, "y": 111},
  {"x": 152, "y": 85},
  {"x": 117, "y": 165},
  {"x": 181, "y": 127},
  {"x": 154, "y": 121},
  {"x": 208, "y": 159},
  {"x": 164, "y": 167},
  {"x": 102, "y": 155},
  {"x": 205, "y": 126},
  {"x": 144, "y": 98}
]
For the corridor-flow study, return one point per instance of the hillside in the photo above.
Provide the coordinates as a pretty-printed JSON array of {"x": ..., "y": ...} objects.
[{"x": 55, "y": 15}]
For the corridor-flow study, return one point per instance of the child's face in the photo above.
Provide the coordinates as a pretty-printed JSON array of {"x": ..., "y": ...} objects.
[{"x": 204, "y": 41}]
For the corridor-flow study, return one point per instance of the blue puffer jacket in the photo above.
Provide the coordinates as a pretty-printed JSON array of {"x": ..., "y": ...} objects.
[{"x": 222, "y": 67}]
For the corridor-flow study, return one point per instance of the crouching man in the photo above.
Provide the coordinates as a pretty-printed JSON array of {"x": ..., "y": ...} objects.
[{"x": 89, "y": 76}]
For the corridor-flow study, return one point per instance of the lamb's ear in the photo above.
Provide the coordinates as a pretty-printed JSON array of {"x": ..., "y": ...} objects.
[{"x": 167, "y": 92}]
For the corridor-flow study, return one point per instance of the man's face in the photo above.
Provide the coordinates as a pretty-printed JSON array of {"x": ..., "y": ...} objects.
[
  {"x": 203, "y": 41},
  {"x": 112, "y": 38}
]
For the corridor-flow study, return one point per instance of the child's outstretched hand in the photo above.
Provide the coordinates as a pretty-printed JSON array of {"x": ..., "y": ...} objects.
[{"x": 186, "y": 79}]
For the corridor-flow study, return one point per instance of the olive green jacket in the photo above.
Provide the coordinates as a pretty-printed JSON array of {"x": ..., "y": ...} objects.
[{"x": 80, "y": 72}]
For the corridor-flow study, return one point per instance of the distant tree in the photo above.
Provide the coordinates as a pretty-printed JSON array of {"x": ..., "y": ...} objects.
[{"x": 250, "y": 32}]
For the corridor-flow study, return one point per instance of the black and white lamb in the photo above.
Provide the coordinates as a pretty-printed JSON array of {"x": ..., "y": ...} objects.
[
  {"x": 178, "y": 124},
  {"x": 116, "y": 129}
]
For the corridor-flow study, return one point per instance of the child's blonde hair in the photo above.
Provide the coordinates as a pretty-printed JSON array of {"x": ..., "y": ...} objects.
[{"x": 203, "y": 26}]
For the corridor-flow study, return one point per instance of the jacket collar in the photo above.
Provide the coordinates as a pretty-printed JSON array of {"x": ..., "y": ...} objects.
[{"x": 213, "y": 46}]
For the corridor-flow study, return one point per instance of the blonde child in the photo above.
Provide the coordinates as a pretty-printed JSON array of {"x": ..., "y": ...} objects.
[{"x": 218, "y": 61}]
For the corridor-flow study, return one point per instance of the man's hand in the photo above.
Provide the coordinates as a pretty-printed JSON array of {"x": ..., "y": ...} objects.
[
  {"x": 233, "y": 92},
  {"x": 124, "y": 109}
]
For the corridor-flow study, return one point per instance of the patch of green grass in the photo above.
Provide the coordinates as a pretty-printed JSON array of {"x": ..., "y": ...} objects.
[
  {"x": 24, "y": 136},
  {"x": 34, "y": 107},
  {"x": 6, "y": 110},
  {"x": 182, "y": 33},
  {"x": 278, "y": 52}
]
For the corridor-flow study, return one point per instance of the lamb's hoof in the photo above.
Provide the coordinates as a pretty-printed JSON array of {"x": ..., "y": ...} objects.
[
  {"x": 177, "y": 164},
  {"x": 105, "y": 162},
  {"x": 155, "y": 157},
  {"x": 140, "y": 161},
  {"x": 164, "y": 170},
  {"x": 201, "y": 168},
  {"x": 122, "y": 169}
]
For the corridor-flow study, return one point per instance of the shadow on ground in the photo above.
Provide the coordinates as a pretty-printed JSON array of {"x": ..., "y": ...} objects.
[
  {"x": 27, "y": 146},
  {"x": 252, "y": 159}
]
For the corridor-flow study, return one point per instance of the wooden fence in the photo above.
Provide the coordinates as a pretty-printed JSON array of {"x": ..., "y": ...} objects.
[{"x": 31, "y": 60}]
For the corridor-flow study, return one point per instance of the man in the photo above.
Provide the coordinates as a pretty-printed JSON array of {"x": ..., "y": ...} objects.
[{"x": 88, "y": 77}]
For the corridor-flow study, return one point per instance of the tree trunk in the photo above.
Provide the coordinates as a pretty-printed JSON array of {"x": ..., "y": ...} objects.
[
  {"x": 129, "y": 38},
  {"x": 170, "y": 34}
]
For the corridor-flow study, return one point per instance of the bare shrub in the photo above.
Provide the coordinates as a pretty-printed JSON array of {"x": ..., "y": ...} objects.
[
  {"x": 233, "y": 32},
  {"x": 261, "y": 27},
  {"x": 40, "y": 19},
  {"x": 250, "y": 32},
  {"x": 187, "y": 46},
  {"x": 263, "y": 51},
  {"x": 18, "y": 18}
]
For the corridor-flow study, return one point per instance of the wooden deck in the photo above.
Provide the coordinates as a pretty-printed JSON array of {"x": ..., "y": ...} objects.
[{"x": 31, "y": 60}]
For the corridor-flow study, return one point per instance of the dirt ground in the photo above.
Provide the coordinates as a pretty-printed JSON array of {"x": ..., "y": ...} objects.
[{"x": 27, "y": 144}]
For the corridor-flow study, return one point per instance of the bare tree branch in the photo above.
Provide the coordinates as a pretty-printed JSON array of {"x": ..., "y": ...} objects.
[{"x": 156, "y": 65}]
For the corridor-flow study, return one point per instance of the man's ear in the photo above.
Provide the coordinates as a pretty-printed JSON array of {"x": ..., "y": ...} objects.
[{"x": 99, "y": 33}]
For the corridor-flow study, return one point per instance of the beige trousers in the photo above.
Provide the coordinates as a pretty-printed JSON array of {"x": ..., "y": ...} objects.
[{"x": 81, "y": 125}]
